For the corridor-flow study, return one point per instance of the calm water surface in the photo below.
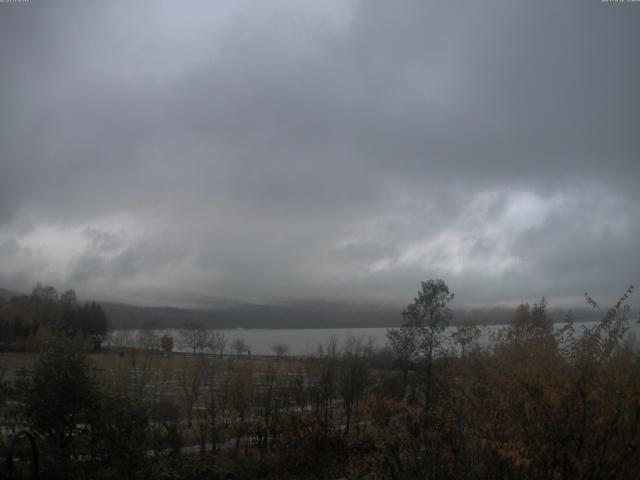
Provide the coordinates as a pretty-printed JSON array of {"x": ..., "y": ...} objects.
[{"x": 300, "y": 341}]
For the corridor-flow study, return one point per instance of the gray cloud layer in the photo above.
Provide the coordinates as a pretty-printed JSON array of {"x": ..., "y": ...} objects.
[{"x": 278, "y": 150}]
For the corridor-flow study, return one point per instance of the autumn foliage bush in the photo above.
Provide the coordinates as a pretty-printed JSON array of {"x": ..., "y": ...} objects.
[
  {"x": 532, "y": 401},
  {"x": 306, "y": 444},
  {"x": 537, "y": 403}
]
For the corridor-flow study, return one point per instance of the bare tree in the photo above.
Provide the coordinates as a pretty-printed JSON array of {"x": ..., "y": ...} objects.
[
  {"x": 195, "y": 337},
  {"x": 148, "y": 340},
  {"x": 353, "y": 374},
  {"x": 240, "y": 398},
  {"x": 119, "y": 338},
  {"x": 218, "y": 343},
  {"x": 280, "y": 349},
  {"x": 324, "y": 389},
  {"x": 190, "y": 380},
  {"x": 239, "y": 346},
  {"x": 209, "y": 409}
]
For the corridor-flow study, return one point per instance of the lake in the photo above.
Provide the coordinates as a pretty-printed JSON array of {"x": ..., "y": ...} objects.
[{"x": 299, "y": 341}]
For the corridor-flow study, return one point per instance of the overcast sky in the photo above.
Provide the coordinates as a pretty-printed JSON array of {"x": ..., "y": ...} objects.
[{"x": 163, "y": 152}]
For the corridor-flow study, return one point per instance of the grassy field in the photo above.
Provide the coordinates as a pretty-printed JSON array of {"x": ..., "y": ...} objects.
[{"x": 177, "y": 387}]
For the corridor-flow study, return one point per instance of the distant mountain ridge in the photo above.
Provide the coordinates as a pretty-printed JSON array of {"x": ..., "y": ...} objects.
[
  {"x": 229, "y": 313},
  {"x": 248, "y": 316}
]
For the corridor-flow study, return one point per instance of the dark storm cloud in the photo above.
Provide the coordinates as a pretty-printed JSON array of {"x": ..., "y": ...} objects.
[{"x": 292, "y": 149}]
